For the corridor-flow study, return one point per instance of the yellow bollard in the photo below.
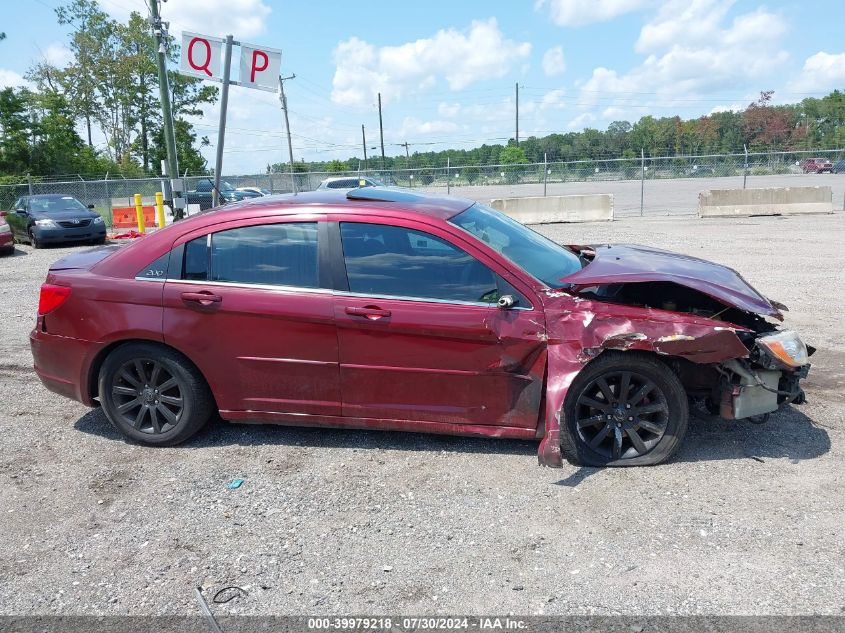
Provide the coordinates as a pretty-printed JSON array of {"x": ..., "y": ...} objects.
[
  {"x": 160, "y": 209},
  {"x": 139, "y": 212}
]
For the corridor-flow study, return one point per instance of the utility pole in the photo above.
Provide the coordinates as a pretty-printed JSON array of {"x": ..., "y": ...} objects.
[
  {"x": 517, "y": 114},
  {"x": 284, "y": 101},
  {"x": 381, "y": 130},
  {"x": 407, "y": 156},
  {"x": 160, "y": 33},
  {"x": 221, "y": 132},
  {"x": 364, "y": 143}
]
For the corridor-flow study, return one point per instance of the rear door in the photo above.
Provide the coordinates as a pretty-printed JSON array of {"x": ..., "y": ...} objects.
[
  {"x": 253, "y": 311},
  {"x": 420, "y": 336}
]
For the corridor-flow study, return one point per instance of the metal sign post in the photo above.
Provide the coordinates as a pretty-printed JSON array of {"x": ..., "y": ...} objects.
[{"x": 221, "y": 132}]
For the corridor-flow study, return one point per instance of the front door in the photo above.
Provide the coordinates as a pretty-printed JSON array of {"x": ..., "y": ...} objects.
[
  {"x": 251, "y": 311},
  {"x": 421, "y": 338}
]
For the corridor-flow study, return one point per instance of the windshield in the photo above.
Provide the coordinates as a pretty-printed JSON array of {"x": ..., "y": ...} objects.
[
  {"x": 54, "y": 205},
  {"x": 537, "y": 255}
]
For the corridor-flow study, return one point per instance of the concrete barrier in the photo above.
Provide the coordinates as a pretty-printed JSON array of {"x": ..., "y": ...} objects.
[
  {"x": 776, "y": 201},
  {"x": 548, "y": 209}
]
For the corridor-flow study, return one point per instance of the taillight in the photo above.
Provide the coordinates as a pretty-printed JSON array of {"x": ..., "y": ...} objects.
[{"x": 51, "y": 298}]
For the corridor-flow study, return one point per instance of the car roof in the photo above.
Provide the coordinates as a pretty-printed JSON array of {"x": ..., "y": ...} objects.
[
  {"x": 362, "y": 201},
  {"x": 377, "y": 202}
]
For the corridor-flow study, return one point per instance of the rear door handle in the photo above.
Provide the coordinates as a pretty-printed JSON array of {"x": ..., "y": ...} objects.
[
  {"x": 204, "y": 297},
  {"x": 371, "y": 313}
]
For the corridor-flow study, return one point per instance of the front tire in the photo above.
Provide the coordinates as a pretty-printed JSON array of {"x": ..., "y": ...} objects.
[
  {"x": 153, "y": 394},
  {"x": 624, "y": 409},
  {"x": 34, "y": 240}
]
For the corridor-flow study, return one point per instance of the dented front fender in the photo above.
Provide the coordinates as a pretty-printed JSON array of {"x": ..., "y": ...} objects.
[{"x": 581, "y": 329}]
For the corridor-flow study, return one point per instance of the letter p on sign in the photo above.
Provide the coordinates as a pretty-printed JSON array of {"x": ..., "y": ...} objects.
[{"x": 260, "y": 67}]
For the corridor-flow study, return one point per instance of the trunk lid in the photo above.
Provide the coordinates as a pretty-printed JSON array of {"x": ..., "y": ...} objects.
[
  {"x": 84, "y": 259},
  {"x": 630, "y": 263}
]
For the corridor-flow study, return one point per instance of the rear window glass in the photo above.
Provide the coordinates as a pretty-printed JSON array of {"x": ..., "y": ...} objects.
[{"x": 271, "y": 254}]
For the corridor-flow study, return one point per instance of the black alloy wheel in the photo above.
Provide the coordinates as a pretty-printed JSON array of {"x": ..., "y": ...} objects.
[
  {"x": 148, "y": 397},
  {"x": 622, "y": 414},
  {"x": 624, "y": 409},
  {"x": 153, "y": 394}
]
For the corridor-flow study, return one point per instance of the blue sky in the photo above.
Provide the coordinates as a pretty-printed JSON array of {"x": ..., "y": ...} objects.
[{"x": 446, "y": 70}]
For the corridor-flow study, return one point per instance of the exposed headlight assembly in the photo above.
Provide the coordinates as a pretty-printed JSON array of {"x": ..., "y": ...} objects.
[
  {"x": 785, "y": 347},
  {"x": 46, "y": 223},
  {"x": 98, "y": 220}
]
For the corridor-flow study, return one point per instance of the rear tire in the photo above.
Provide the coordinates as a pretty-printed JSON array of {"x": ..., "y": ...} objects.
[
  {"x": 153, "y": 394},
  {"x": 624, "y": 409}
]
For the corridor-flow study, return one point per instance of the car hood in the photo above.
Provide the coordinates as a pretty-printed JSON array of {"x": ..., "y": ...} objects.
[
  {"x": 630, "y": 263},
  {"x": 64, "y": 216}
]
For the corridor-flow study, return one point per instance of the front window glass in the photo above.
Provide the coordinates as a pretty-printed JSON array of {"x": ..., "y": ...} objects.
[
  {"x": 56, "y": 204},
  {"x": 540, "y": 257},
  {"x": 394, "y": 261}
]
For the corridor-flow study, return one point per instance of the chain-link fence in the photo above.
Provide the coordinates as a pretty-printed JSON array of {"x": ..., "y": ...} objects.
[{"x": 631, "y": 180}]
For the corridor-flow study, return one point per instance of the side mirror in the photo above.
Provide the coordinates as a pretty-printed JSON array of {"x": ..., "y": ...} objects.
[
  {"x": 91, "y": 206},
  {"x": 20, "y": 211},
  {"x": 506, "y": 302}
]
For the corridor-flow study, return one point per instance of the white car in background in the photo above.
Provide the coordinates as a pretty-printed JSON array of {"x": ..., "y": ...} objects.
[
  {"x": 258, "y": 190},
  {"x": 349, "y": 182}
]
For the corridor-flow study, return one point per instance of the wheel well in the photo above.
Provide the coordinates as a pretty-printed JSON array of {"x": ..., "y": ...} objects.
[
  {"x": 103, "y": 354},
  {"x": 696, "y": 378}
]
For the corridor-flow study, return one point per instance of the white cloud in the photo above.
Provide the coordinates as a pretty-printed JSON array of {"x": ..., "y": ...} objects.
[
  {"x": 11, "y": 79},
  {"x": 822, "y": 72},
  {"x": 581, "y": 121},
  {"x": 552, "y": 99},
  {"x": 553, "y": 61},
  {"x": 475, "y": 54},
  {"x": 58, "y": 55},
  {"x": 448, "y": 109},
  {"x": 581, "y": 12},
  {"x": 692, "y": 54},
  {"x": 413, "y": 126},
  {"x": 241, "y": 18}
]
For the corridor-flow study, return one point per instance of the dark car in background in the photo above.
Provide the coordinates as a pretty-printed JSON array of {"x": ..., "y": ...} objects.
[
  {"x": 839, "y": 167},
  {"x": 203, "y": 194},
  {"x": 55, "y": 218}
]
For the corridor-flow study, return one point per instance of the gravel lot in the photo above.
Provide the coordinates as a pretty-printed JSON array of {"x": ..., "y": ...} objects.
[{"x": 746, "y": 520}]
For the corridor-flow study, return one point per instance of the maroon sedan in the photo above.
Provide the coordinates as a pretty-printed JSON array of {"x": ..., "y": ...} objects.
[
  {"x": 385, "y": 309},
  {"x": 7, "y": 240}
]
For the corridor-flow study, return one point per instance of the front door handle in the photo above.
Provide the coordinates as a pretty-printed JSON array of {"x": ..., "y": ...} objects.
[
  {"x": 203, "y": 297},
  {"x": 373, "y": 313}
]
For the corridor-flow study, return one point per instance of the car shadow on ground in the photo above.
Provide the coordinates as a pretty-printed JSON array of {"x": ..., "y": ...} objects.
[{"x": 788, "y": 434}]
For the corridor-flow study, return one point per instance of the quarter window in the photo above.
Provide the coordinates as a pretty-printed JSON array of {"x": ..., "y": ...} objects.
[{"x": 394, "y": 261}]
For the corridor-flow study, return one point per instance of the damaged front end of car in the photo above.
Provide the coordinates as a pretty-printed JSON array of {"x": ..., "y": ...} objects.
[{"x": 704, "y": 321}]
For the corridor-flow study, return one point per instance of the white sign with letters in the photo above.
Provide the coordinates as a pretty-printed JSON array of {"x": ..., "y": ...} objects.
[
  {"x": 260, "y": 67},
  {"x": 201, "y": 56}
]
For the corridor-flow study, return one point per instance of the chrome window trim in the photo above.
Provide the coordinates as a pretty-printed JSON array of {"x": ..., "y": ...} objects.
[
  {"x": 233, "y": 284},
  {"x": 338, "y": 293},
  {"x": 483, "y": 304}
]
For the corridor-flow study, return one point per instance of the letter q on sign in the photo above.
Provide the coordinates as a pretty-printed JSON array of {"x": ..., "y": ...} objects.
[
  {"x": 200, "y": 56},
  {"x": 260, "y": 67}
]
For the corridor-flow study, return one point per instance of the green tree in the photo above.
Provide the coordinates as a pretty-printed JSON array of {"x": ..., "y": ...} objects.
[
  {"x": 14, "y": 131},
  {"x": 513, "y": 155}
]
